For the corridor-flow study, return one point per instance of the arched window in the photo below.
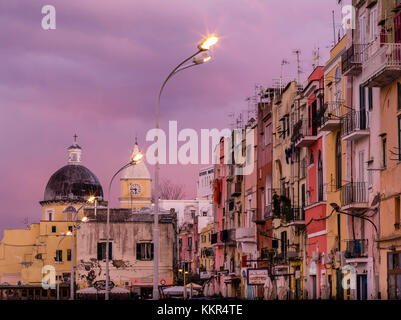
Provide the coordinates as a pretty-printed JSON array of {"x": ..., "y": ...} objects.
[
  {"x": 338, "y": 162},
  {"x": 320, "y": 176}
]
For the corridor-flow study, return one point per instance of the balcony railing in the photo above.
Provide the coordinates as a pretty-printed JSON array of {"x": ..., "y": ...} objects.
[
  {"x": 295, "y": 216},
  {"x": 304, "y": 135},
  {"x": 383, "y": 63},
  {"x": 356, "y": 249},
  {"x": 213, "y": 239},
  {"x": 354, "y": 194},
  {"x": 235, "y": 189},
  {"x": 245, "y": 235},
  {"x": 352, "y": 59},
  {"x": 355, "y": 125},
  {"x": 331, "y": 118}
]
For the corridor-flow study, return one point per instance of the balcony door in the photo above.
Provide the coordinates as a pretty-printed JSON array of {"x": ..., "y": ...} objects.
[
  {"x": 362, "y": 287},
  {"x": 314, "y": 118}
]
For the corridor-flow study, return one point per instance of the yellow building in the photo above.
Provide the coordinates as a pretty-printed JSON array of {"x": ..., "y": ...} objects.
[
  {"x": 206, "y": 251},
  {"x": 334, "y": 148},
  {"x": 25, "y": 255},
  {"x": 135, "y": 185}
]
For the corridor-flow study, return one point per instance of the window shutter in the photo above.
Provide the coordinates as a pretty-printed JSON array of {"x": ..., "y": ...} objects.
[
  {"x": 399, "y": 95},
  {"x": 370, "y": 97},
  {"x": 99, "y": 251},
  {"x": 151, "y": 246},
  {"x": 110, "y": 250},
  {"x": 138, "y": 251},
  {"x": 362, "y": 98}
]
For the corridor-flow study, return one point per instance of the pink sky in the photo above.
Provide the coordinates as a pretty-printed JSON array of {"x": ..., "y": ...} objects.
[{"x": 99, "y": 72}]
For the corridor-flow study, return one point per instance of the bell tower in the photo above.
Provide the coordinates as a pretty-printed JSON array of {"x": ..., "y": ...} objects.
[{"x": 135, "y": 185}]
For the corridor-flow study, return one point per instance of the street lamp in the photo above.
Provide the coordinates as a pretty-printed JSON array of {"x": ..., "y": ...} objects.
[
  {"x": 91, "y": 199},
  {"x": 136, "y": 158},
  {"x": 196, "y": 60},
  {"x": 336, "y": 207},
  {"x": 58, "y": 264},
  {"x": 185, "y": 289}
]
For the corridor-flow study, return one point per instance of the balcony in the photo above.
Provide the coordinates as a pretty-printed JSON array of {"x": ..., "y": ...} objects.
[
  {"x": 213, "y": 239},
  {"x": 235, "y": 189},
  {"x": 227, "y": 236},
  {"x": 245, "y": 235},
  {"x": 295, "y": 216},
  {"x": 383, "y": 64},
  {"x": 355, "y": 125},
  {"x": 352, "y": 60},
  {"x": 331, "y": 118},
  {"x": 356, "y": 249},
  {"x": 354, "y": 196},
  {"x": 303, "y": 134}
]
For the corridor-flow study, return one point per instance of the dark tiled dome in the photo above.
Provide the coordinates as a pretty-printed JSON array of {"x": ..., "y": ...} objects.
[{"x": 73, "y": 183}]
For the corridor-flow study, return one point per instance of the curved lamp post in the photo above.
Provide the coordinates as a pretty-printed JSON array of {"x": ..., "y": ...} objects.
[
  {"x": 75, "y": 227},
  {"x": 136, "y": 158},
  {"x": 336, "y": 207},
  {"x": 202, "y": 47}
]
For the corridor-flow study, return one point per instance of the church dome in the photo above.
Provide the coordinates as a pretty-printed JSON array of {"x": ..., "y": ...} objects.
[{"x": 72, "y": 183}]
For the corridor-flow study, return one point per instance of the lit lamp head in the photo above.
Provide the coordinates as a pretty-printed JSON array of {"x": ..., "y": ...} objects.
[
  {"x": 91, "y": 199},
  {"x": 68, "y": 233},
  {"x": 208, "y": 43},
  {"x": 136, "y": 158},
  {"x": 84, "y": 219},
  {"x": 201, "y": 58},
  {"x": 179, "y": 270}
]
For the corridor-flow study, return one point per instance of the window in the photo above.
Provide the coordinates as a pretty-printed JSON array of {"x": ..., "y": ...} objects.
[
  {"x": 384, "y": 145},
  {"x": 59, "y": 256},
  {"x": 68, "y": 254},
  {"x": 399, "y": 138},
  {"x": 373, "y": 24},
  {"x": 268, "y": 134},
  {"x": 311, "y": 160},
  {"x": 54, "y": 229},
  {"x": 399, "y": 95},
  {"x": 70, "y": 228},
  {"x": 394, "y": 275},
  {"x": 283, "y": 243},
  {"x": 362, "y": 98},
  {"x": 144, "y": 251},
  {"x": 50, "y": 214},
  {"x": 338, "y": 162},
  {"x": 320, "y": 176},
  {"x": 189, "y": 243},
  {"x": 193, "y": 214},
  {"x": 370, "y": 98},
  {"x": 101, "y": 250}
]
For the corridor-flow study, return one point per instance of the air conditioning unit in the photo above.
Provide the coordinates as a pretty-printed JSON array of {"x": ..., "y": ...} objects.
[{"x": 315, "y": 256}]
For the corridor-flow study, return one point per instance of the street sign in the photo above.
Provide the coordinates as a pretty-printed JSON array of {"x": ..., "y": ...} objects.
[
  {"x": 205, "y": 275},
  {"x": 257, "y": 276}
]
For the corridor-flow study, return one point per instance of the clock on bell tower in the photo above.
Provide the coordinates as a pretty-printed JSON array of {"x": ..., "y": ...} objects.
[{"x": 135, "y": 185}]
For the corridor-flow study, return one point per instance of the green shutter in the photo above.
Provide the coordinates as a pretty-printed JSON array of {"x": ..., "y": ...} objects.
[
  {"x": 99, "y": 251},
  {"x": 370, "y": 97},
  {"x": 399, "y": 95},
  {"x": 110, "y": 250},
  {"x": 138, "y": 251}
]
